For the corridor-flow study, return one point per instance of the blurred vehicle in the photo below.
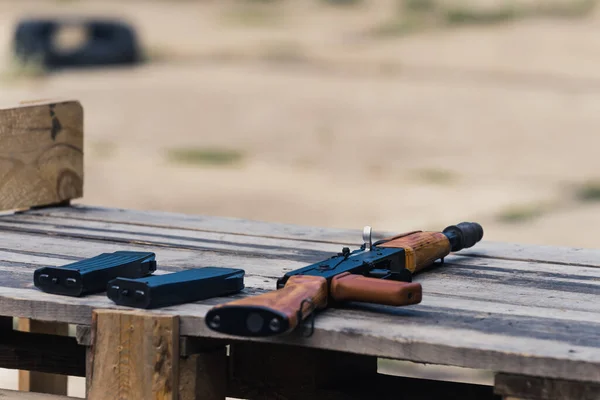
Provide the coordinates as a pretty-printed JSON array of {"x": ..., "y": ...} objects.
[{"x": 102, "y": 42}]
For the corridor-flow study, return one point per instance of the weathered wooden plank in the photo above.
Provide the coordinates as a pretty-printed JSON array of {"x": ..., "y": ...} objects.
[
  {"x": 135, "y": 356},
  {"x": 6, "y": 394},
  {"x": 408, "y": 334},
  {"x": 43, "y": 382},
  {"x": 174, "y": 238},
  {"x": 83, "y": 335},
  {"x": 41, "y": 154},
  {"x": 89, "y": 367},
  {"x": 529, "y": 273},
  {"x": 204, "y": 223},
  {"x": 18, "y": 268},
  {"x": 514, "y": 316},
  {"x": 538, "y": 388},
  {"x": 539, "y": 313},
  {"x": 505, "y": 287},
  {"x": 510, "y": 312},
  {"x": 420, "y": 338},
  {"x": 536, "y": 253},
  {"x": 477, "y": 317},
  {"x": 45, "y": 353},
  {"x": 532, "y": 270},
  {"x": 507, "y": 297},
  {"x": 484, "y": 249},
  {"x": 42, "y": 223}
]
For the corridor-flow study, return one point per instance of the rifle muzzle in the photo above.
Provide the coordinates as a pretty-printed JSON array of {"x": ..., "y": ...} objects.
[{"x": 463, "y": 235}]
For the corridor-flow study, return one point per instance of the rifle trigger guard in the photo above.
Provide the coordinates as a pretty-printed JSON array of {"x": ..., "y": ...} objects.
[{"x": 312, "y": 316}]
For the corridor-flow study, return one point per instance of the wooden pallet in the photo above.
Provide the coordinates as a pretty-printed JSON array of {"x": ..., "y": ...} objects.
[{"x": 530, "y": 314}]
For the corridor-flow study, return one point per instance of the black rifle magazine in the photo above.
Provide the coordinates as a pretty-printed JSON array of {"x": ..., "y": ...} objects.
[
  {"x": 93, "y": 274},
  {"x": 176, "y": 288}
]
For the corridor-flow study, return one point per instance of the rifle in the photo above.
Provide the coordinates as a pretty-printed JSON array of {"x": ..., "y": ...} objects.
[{"x": 379, "y": 273}]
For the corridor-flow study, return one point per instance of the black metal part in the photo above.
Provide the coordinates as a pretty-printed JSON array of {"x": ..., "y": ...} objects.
[
  {"x": 383, "y": 263},
  {"x": 109, "y": 42},
  {"x": 93, "y": 274},
  {"x": 254, "y": 321},
  {"x": 463, "y": 235},
  {"x": 312, "y": 316},
  {"x": 175, "y": 288}
]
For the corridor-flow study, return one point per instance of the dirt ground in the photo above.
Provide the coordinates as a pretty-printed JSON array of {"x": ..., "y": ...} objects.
[{"x": 339, "y": 117}]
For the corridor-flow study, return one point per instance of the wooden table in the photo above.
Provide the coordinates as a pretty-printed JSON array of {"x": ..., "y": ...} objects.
[{"x": 530, "y": 314}]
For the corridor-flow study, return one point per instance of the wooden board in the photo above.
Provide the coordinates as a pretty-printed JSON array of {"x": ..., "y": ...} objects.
[
  {"x": 242, "y": 227},
  {"x": 134, "y": 356},
  {"x": 41, "y": 154},
  {"x": 501, "y": 310},
  {"x": 536, "y": 388},
  {"x": 17, "y": 395}
]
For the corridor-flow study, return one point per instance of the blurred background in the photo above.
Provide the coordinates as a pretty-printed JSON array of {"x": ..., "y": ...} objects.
[{"x": 399, "y": 114}]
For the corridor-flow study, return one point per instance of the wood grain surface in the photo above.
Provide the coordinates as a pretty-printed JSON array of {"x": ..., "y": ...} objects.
[
  {"x": 41, "y": 154},
  {"x": 351, "y": 287},
  {"x": 290, "y": 300},
  {"x": 134, "y": 356},
  {"x": 17, "y": 395},
  {"x": 531, "y": 310},
  {"x": 313, "y": 235},
  {"x": 422, "y": 248},
  {"x": 537, "y": 388}
]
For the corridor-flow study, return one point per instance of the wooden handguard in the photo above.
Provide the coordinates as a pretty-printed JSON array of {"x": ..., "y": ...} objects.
[
  {"x": 422, "y": 248},
  {"x": 350, "y": 287}
]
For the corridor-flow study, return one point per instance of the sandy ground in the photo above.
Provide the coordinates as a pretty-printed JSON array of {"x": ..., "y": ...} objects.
[{"x": 337, "y": 127}]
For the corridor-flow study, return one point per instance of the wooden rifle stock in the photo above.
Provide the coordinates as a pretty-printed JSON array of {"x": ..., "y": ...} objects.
[{"x": 275, "y": 312}]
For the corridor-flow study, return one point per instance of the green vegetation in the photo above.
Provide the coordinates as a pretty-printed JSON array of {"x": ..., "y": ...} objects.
[
  {"x": 155, "y": 53},
  {"x": 254, "y": 15},
  {"x": 419, "y": 5},
  {"x": 284, "y": 52},
  {"x": 521, "y": 213},
  {"x": 207, "y": 156},
  {"x": 396, "y": 27},
  {"x": 437, "y": 176},
  {"x": 510, "y": 12},
  {"x": 589, "y": 191},
  {"x": 16, "y": 70},
  {"x": 416, "y": 15},
  {"x": 464, "y": 16},
  {"x": 342, "y": 2}
]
